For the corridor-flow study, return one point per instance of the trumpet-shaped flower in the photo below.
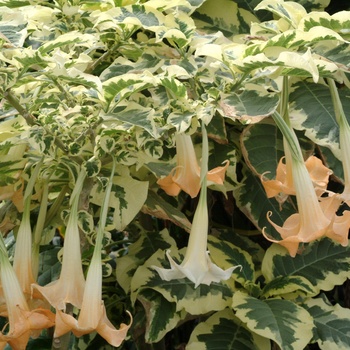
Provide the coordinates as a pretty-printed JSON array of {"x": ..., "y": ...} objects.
[
  {"x": 283, "y": 185},
  {"x": 197, "y": 265},
  {"x": 315, "y": 218},
  {"x": 186, "y": 175},
  {"x": 23, "y": 322},
  {"x": 69, "y": 288},
  {"x": 310, "y": 223},
  {"x": 92, "y": 316}
]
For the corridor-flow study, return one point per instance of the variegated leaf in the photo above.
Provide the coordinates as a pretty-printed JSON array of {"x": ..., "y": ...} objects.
[
  {"x": 127, "y": 198},
  {"x": 223, "y": 330},
  {"x": 323, "y": 263},
  {"x": 138, "y": 252},
  {"x": 161, "y": 315},
  {"x": 332, "y": 323},
  {"x": 282, "y": 321},
  {"x": 311, "y": 104}
]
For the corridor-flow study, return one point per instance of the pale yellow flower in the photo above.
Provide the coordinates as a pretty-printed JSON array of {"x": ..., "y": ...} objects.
[{"x": 186, "y": 175}]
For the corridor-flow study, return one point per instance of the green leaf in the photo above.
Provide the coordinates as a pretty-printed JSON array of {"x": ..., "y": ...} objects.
[
  {"x": 161, "y": 209},
  {"x": 288, "y": 287},
  {"x": 332, "y": 324},
  {"x": 138, "y": 252},
  {"x": 310, "y": 105},
  {"x": 224, "y": 16},
  {"x": 127, "y": 197},
  {"x": 323, "y": 263},
  {"x": 249, "y": 105},
  {"x": 282, "y": 321},
  {"x": 161, "y": 315},
  {"x": 223, "y": 330},
  {"x": 225, "y": 254}
]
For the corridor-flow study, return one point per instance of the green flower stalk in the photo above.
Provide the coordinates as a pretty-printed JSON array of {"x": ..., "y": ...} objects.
[
  {"x": 197, "y": 265},
  {"x": 92, "y": 316},
  {"x": 344, "y": 138}
]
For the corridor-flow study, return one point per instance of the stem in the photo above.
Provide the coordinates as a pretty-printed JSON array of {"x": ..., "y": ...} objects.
[
  {"x": 14, "y": 102},
  {"x": 284, "y": 100},
  {"x": 29, "y": 118},
  {"x": 52, "y": 212}
]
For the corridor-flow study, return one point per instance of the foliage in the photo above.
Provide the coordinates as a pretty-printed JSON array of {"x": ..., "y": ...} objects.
[{"x": 88, "y": 84}]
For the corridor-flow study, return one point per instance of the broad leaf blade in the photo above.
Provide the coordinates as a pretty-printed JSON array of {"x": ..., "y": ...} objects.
[
  {"x": 224, "y": 330},
  {"x": 323, "y": 263},
  {"x": 332, "y": 324},
  {"x": 283, "y": 321}
]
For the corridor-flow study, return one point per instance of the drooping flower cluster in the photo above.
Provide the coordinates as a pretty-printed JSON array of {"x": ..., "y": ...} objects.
[
  {"x": 317, "y": 216},
  {"x": 27, "y": 305}
]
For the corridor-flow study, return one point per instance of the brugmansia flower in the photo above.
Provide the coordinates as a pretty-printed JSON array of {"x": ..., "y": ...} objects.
[
  {"x": 23, "y": 322},
  {"x": 92, "y": 316},
  {"x": 197, "y": 265},
  {"x": 315, "y": 219},
  {"x": 186, "y": 175},
  {"x": 282, "y": 185},
  {"x": 69, "y": 288}
]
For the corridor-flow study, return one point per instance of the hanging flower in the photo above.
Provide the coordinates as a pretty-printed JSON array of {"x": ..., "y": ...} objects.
[
  {"x": 69, "y": 288},
  {"x": 186, "y": 175},
  {"x": 92, "y": 316},
  {"x": 283, "y": 185},
  {"x": 23, "y": 322},
  {"x": 314, "y": 220},
  {"x": 197, "y": 265}
]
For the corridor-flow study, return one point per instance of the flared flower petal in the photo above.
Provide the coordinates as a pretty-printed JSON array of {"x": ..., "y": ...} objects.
[
  {"x": 92, "y": 316},
  {"x": 310, "y": 223},
  {"x": 283, "y": 185},
  {"x": 340, "y": 224},
  {"x": 23, "y": 322},
  {"x": 186, "y": 175}
]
